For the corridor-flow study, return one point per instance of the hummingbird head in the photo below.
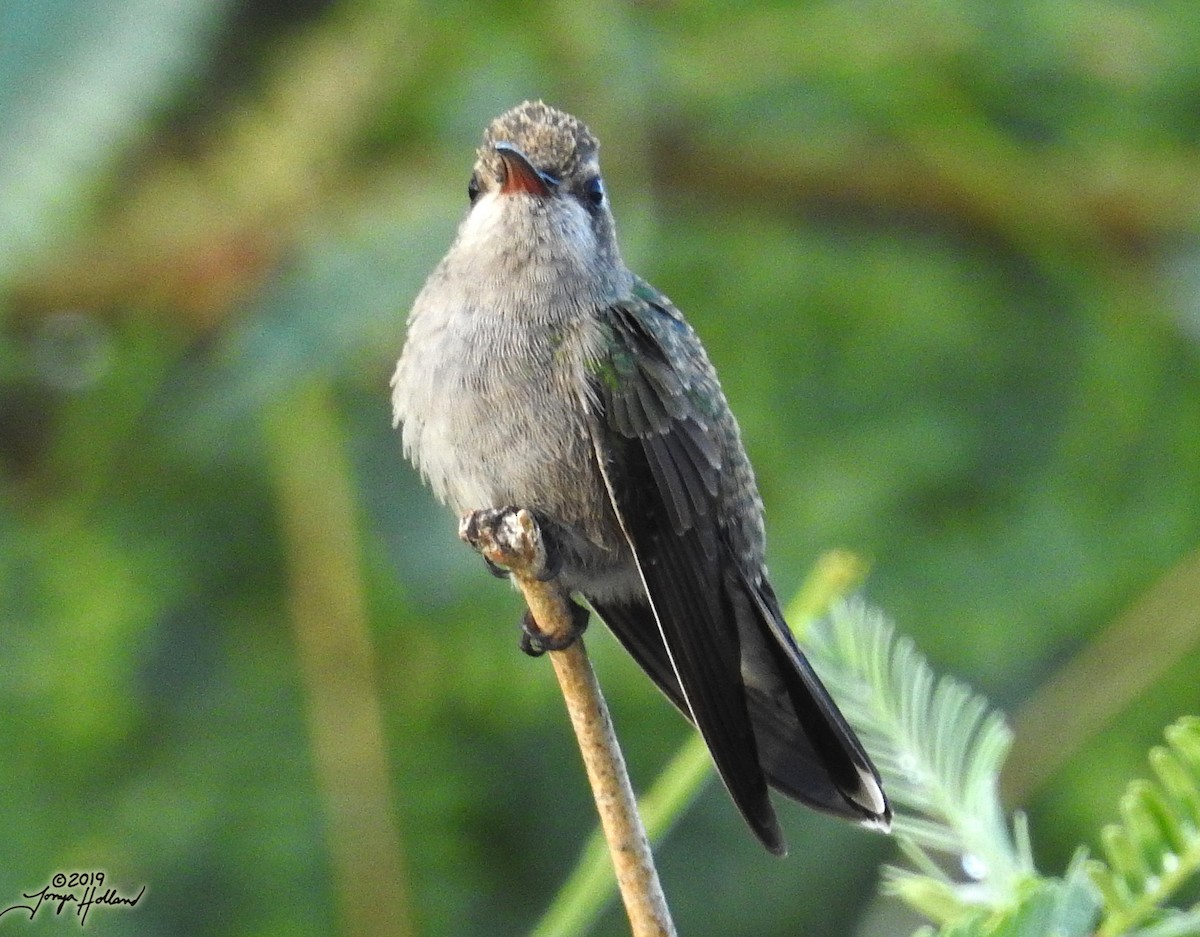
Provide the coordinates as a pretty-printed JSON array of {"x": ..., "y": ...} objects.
[{"x": 539, "y": 211}]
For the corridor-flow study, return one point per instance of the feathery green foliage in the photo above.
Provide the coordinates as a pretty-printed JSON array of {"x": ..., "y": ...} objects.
[
  {"x": 939, "y": 748},
  {"x": 1155, "y": 847},
  {"x": 1042, "y": 906}
]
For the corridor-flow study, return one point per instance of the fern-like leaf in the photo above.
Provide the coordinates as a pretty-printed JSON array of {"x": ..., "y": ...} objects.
[
  {"x": 939, "y": 747},
  {"x": 1043, "y": 907},
  {"x": 1155, "y": 848}
]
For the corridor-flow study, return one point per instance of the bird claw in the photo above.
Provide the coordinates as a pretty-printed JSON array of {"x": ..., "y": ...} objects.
[
  {"x": 496, "y": 569},
  {"x": 536, "y": 642},
  {"x": 551, "y": 561}
]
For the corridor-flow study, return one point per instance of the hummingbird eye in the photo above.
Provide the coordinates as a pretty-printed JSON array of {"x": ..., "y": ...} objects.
[
  {"x": 593, "y": 191},
  {"x": 473, "y": 189}
]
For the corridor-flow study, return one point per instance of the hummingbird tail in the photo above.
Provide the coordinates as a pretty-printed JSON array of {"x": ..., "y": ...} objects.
[
  {"x": 809, "y": 751},
  {"x": 805, "y": 748}
]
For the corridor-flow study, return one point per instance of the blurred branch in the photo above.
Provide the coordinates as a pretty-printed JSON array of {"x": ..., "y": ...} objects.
[
  {"x": 1104, "y": 678},
  {"x": 1043, "y": 202},
  {"x": 337, "y": 663},
  {"x": 515, "y": 543},
  {"x": 896, "y": 123},
  {"x": 835, "y": 575},
  {"x": 197, "y": 232}
]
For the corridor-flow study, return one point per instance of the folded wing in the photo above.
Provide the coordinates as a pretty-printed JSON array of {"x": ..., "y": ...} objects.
[{"x": 709, "y": 632}]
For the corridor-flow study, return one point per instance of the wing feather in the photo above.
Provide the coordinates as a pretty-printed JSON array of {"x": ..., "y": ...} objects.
[{"x": 708, "y": 620}]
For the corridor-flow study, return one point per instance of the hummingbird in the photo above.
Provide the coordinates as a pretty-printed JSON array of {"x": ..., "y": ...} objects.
[{"x": 538, "y": 372}]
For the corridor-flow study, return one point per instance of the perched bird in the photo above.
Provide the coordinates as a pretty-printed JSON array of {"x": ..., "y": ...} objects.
[{"x": 539, "y": 372}]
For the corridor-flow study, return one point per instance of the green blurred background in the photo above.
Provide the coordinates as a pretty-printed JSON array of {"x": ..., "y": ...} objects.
[{"x": 944, "y": 254}]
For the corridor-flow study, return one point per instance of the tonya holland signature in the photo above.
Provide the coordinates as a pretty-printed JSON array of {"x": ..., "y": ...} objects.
[{"x": 83, "y": 895}]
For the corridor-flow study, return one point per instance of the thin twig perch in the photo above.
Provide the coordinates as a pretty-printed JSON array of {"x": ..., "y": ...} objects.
[{"x": 515, "y": 543}]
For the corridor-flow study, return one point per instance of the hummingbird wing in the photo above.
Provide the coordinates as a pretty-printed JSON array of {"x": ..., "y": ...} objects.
[{"x": 710, "y": 633}]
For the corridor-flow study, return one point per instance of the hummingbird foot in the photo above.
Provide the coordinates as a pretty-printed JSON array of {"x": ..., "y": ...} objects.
[
  {"x": 536, "y": 642},
  {"x": 514, "y": 542},
  {"x": 494, "y": 532}
]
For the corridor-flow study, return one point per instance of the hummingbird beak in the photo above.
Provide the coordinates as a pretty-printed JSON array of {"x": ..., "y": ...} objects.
[{"x": 520, "y": 174}]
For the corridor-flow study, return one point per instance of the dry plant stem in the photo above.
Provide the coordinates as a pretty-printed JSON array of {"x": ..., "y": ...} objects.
[
  {"x": 633, "y": 862},
  {"x": 515, "y": 543}
]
